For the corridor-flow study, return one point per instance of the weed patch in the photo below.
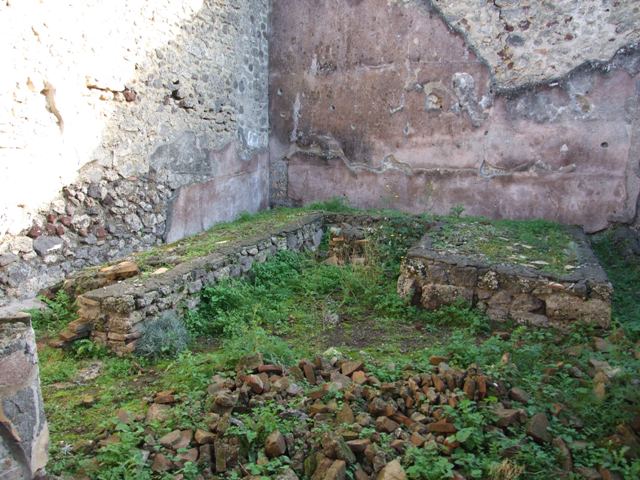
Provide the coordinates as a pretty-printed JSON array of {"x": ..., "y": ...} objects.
[
  {"x": 623, "y": 269},
  {"x": 59, "y": 312}
]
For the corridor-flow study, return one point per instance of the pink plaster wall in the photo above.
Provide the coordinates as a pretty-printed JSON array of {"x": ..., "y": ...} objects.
[{"x": 373, "y": 101}]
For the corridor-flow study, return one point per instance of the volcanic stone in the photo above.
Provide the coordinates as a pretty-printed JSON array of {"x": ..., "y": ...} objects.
[
  {"x": 538, "y": 428},
  {"x": 519, "y": 395},
  {"x": 275, "y": 445},
  {"x": 392, "y": 471},
  {"x": 348, "y": 368},
  {"x": 385, "y": 424}
]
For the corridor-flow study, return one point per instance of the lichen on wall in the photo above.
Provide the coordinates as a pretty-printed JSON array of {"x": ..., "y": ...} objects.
[{"x": 113, "y": 111}]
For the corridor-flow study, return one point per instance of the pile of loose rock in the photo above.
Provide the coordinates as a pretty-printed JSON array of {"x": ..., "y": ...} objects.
[
  {"x": 343, "y": 417},
  {"x": 347, "y": 244}
]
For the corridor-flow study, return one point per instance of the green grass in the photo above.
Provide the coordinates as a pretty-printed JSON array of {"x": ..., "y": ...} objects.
[
  {"x": 58, "y": 313},
  {"x": 624, "y": 272}
]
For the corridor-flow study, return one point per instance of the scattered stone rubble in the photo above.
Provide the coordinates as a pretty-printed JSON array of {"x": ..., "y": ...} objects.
[
  {"x": 367, "y": 431},
  {"x": 434, "y": 278},
  {"x": 347, "y": 244},
  {"x": 410, "y": 411}
]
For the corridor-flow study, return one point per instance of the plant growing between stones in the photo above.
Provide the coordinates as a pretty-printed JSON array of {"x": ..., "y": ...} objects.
[
  {"x": 457, "y": 211},
  {"x": 85, "y": 348},
  {"x": 428, "y": 464},
  {"x": 59, "y": 312},
  {"x": 123, "y": 459}
]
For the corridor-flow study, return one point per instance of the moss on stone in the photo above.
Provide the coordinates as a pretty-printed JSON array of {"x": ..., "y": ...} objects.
[
  {"x": 219, "y": 236},
  {"x": 539, "y": 244}
]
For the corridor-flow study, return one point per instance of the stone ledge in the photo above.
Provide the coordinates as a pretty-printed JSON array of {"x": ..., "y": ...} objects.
[
  {"x": 506, "y": 291},
  {"x": 114, "y": 315}
]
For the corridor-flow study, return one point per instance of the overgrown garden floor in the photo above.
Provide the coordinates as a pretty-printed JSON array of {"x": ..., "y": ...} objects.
[{"x": 586, "y": 382}]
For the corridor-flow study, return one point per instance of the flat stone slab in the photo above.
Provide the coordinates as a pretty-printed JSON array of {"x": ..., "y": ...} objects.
[{"x": 527, "y": 292}]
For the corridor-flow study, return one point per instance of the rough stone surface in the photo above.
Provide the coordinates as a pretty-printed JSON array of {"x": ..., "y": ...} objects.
[
  {"x": 392, "y": 471},
  {"x": 526, "y": 43},
  {"x": 385, "y": 104},
  {"x": 123, "y": 125},
  {"x": 538, "y": 428},
  {"x": 434, "y": 278},
  {"x": 24, "y": 435},
  {"x": 275, "y": 445}
]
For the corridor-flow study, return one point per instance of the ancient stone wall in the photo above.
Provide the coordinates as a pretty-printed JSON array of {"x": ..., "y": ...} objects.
[
  {"x": 513, "y": 109},
  {"x": 508, "y": 291},
  {"x": 124, "y": 124},
  {"x": 115, "y": 315},
  {"x": 24, "y": 435}
]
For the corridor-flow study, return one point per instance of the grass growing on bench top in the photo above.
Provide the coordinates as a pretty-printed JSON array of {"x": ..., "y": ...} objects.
[{"x": 539, "y": 244}]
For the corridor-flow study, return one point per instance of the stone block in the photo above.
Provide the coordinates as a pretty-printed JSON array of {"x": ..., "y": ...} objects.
[
  {"x": 567, "y": 308},
  {"x": 464, "y": 276},
  {"x": 435, "y": 296},
  {"x": 24, "y": 447},
  {"x": 505, "y": 291}
]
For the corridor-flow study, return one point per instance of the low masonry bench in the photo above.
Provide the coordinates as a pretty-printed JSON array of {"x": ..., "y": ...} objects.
[
  {"x": 482, "y": 262},
  {"x": 568, "y": 287},
  {"x": 115, "y": 315}
]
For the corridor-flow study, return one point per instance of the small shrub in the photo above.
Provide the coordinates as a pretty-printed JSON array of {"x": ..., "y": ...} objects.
[
  {"x": 123, "y": 459},
  {"x": 427, "y": 464},
  {"x": 164, "y": 336},
  {"x": 262, "y": 421},
  {"x": 283, "y": 266},
  {"x": 214, "y": 314},
  {"x": 334, "y": 205},
  {"x": 457, "y": 210}
]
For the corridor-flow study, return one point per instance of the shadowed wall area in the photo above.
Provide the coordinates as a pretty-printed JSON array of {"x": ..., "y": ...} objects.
[
  {"x": 509, "y": 109},
  {"x": 124, "y": 124}
]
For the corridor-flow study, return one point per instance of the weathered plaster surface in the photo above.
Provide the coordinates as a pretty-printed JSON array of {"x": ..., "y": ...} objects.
[
  {"x": 529, "y": 41},
  {"x": 382, "y": 103},
  {"x": 198, "y": 206},
  {"x": 109, "y": 112}
]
